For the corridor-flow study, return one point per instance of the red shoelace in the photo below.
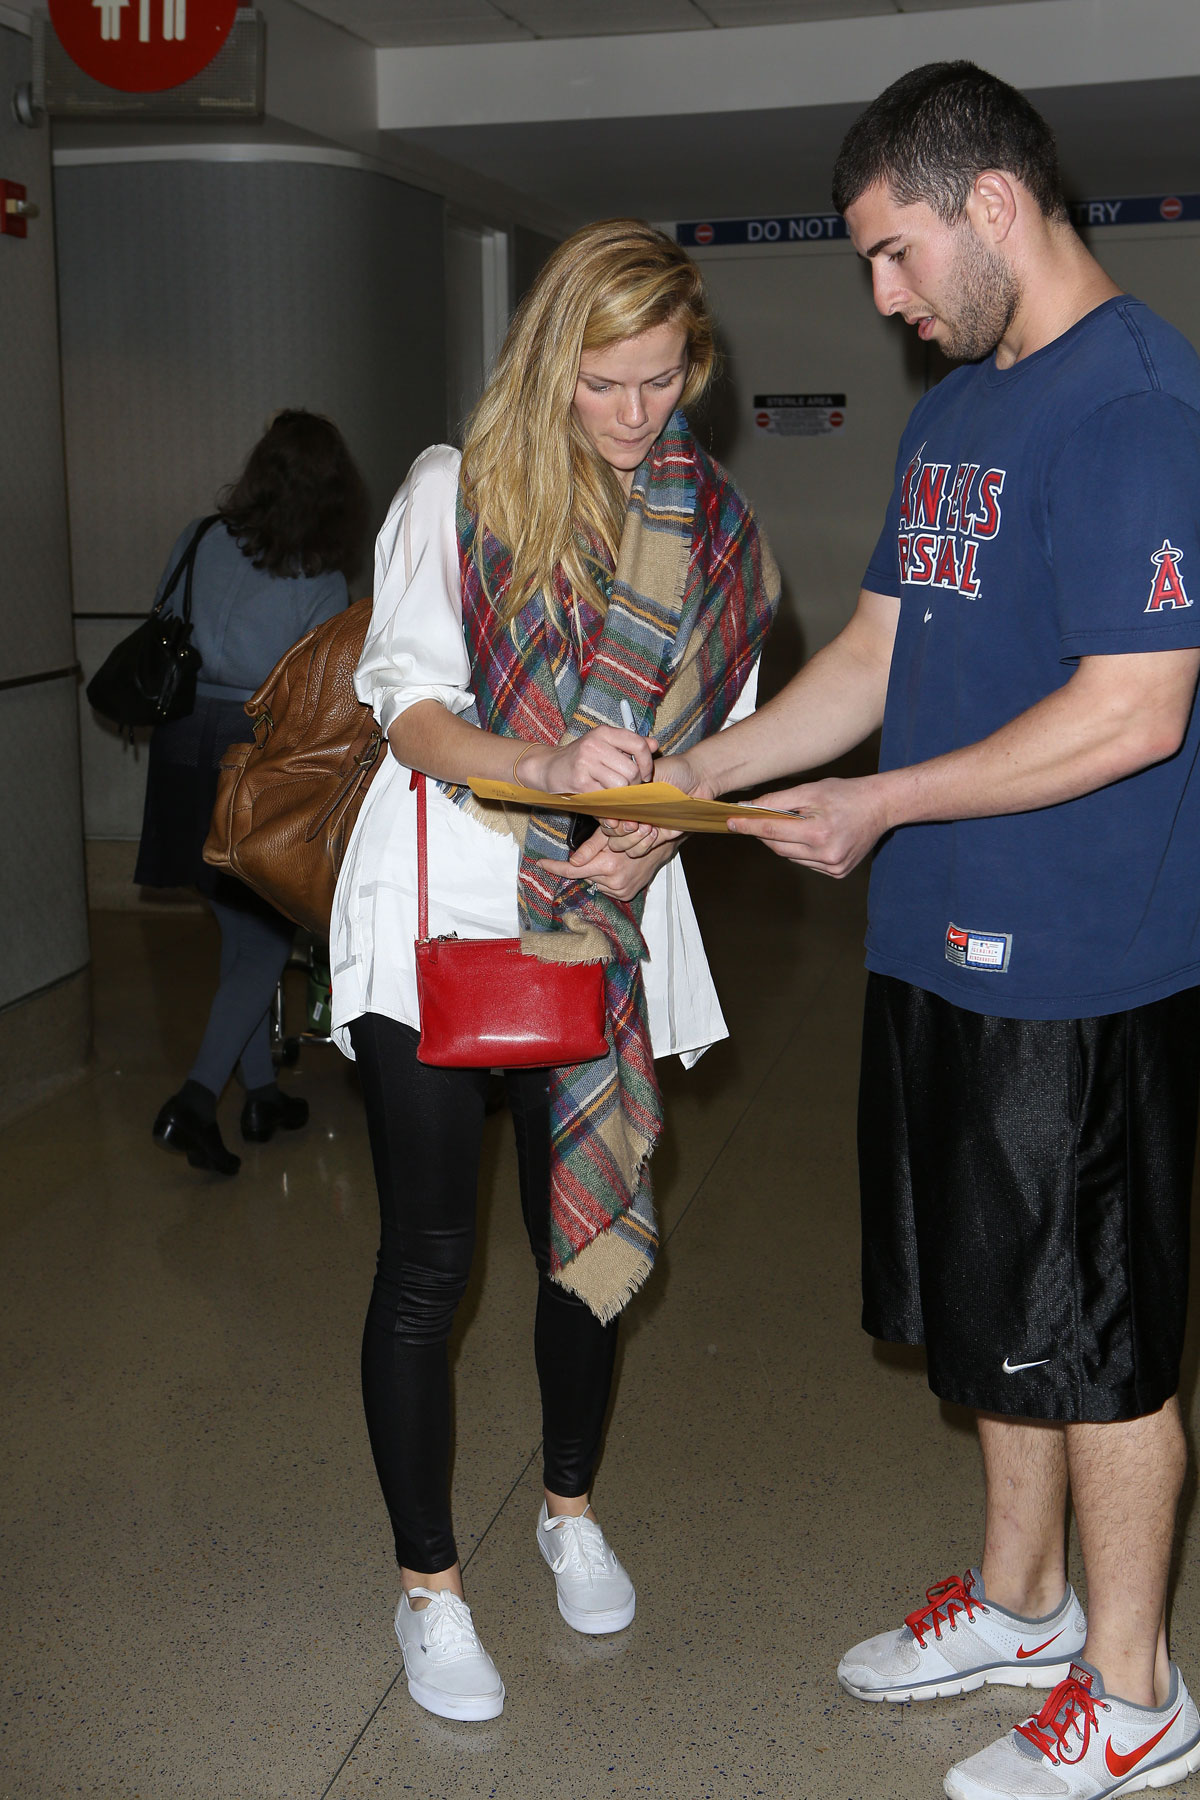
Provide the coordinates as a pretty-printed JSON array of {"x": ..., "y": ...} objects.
[
  {"x": 943, "y": 1601},
  {"x": 1070, "y": 1707}
]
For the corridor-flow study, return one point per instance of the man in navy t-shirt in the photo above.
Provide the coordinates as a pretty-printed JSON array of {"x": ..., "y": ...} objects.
[
  {"x": 1028, "y": 636},
  {"x": 1044, "y": 512}
]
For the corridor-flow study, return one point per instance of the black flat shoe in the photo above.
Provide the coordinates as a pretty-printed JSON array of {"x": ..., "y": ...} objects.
[
  {"x": 178, "y": 1127},
  {"x": 264, "y": 1116}
]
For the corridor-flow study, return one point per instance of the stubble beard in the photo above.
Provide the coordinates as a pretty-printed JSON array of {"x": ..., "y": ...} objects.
[{"x": 986, "y": 296}]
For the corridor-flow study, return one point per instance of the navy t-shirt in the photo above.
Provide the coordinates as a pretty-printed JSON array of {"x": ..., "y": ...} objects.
[{"x": 1042, "y": 513}]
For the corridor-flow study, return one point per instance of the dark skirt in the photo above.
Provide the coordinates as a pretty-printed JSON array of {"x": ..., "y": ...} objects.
[{"x": 181, "y": 790}]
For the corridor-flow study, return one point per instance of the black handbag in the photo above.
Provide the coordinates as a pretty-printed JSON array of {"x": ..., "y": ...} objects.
[{"x": 150, "y": 676}]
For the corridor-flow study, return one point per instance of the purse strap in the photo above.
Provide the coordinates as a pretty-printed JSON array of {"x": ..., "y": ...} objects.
[
  {"x": 187, "y": 561},
  {"x": 418, "y": 782}
]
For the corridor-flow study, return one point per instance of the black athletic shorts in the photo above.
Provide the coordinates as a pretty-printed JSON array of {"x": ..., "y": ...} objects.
[{"x": 1026, "y": 1190}]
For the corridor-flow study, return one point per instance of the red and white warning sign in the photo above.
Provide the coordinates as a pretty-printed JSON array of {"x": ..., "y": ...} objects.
[
  {"x": 799, "y": 415},
  {"x": 142, "y": 46},
  {"x": 1171, "y": 207}
]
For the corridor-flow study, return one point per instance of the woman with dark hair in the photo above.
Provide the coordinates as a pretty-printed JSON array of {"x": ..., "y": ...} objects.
[{"x": 272, "y": 564}]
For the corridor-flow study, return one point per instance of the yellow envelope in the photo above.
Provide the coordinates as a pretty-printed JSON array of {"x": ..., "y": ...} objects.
[{"x": 647, "y": 802}]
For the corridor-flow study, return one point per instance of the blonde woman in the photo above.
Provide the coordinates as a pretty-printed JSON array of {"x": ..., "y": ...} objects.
[{"x": 584, "y": 553}]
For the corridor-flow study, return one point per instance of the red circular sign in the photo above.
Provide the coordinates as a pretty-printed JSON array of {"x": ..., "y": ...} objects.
[
  {"x": 142, "y": 46},
  {"x": 705, "y": 234},
  {"x": 836, "y": 419},
  {"x": 1171, "y": 208},
  {"x": 762, "y": 419}
]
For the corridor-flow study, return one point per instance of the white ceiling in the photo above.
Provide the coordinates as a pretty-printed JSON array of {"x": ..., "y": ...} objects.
[
  {"x": 1131, "y": 138},
  {"x": 396, "y": 23},
  {"x": 706, "y": 122}
]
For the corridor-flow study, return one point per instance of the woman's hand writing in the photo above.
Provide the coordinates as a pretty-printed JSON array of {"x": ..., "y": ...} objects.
[
  {"x": 637, "y": 840},
  {"x": 607, "y": 757}
]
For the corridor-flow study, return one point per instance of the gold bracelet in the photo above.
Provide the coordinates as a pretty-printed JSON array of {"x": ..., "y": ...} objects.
[{"x": 517, "y": 762}]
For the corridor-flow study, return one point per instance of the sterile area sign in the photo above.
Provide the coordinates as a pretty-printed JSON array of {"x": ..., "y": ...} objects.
[
  {"x": 799, "y": 415},
  {"x": 142, "y": 46}
]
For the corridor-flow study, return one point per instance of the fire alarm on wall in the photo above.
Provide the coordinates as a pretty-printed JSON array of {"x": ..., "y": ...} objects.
[{"x": 15, "y": 209}]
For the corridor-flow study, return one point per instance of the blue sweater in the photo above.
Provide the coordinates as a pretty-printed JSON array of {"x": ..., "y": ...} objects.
[{"x": 243, "y": 619}]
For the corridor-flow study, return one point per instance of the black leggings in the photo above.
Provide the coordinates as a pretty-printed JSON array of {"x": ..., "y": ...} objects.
[
  {"x": 426, "y": 1129},
  {"x": 255, "y": 945}
]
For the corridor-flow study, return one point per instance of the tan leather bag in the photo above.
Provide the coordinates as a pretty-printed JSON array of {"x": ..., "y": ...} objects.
[{"x": 286, "y": 803}]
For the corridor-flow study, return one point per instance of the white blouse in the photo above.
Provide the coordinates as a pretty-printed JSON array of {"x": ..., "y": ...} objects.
[{"x": 415, "y": 650}]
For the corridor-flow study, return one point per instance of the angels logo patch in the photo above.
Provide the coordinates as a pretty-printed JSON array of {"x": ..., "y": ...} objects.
[{"x": 1167, "y": 588}]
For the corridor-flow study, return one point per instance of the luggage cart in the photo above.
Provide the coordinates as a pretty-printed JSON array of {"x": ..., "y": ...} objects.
[{"x": 310, "y": 954}]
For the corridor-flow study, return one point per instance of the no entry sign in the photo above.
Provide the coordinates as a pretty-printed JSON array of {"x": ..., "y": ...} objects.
[{"x": 142, "y": 46}]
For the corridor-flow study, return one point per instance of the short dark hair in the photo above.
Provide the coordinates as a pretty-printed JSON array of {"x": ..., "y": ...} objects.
[
  {"x": 299, "y": 507},
  {"x": 933, "y": 132}
]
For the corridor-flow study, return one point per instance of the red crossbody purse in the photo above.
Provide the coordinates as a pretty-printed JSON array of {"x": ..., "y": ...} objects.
[{"x": 486, "y": 1006}]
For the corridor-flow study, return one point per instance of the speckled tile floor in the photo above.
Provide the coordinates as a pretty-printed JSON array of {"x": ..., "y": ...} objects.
[{"x": 197, "y": 1585}]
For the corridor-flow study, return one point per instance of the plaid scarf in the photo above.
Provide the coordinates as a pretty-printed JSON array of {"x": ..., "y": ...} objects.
[{"x": 693, "y": 594}]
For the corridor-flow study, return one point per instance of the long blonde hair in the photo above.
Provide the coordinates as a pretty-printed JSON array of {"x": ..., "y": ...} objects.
[{"x": 529, "y": 474}]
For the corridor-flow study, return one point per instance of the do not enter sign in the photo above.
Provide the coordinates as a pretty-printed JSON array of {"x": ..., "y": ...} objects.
[{"x": 142, "y": 46}]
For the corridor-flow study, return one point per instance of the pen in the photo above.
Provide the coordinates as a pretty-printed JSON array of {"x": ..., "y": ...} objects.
[{"x": 627, "y": 718}]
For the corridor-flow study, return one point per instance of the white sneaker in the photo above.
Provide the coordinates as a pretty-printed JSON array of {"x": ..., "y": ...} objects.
[
  {"x": 594, "y": 1592},
  {"x": 1086, "y": 1745},
  {"x": 449, "y": 1671},
  {"x": 958, "y": 1640}
]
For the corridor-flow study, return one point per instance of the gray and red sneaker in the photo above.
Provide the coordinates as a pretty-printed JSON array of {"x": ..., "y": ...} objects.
[
  {"x": 958, "y": 1640},
  {"x": 1086, "y": 1745}
]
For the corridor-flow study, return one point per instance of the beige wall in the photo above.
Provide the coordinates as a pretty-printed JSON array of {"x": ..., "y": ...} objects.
[{"x": 1158, "y": 263}]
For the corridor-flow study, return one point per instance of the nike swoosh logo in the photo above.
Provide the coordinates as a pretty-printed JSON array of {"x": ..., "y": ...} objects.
[
  {"x": 1011, "y": 1368},
  {"x": 1120, "y": 1762},
  {"x": 1022, "y": 1652}
]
